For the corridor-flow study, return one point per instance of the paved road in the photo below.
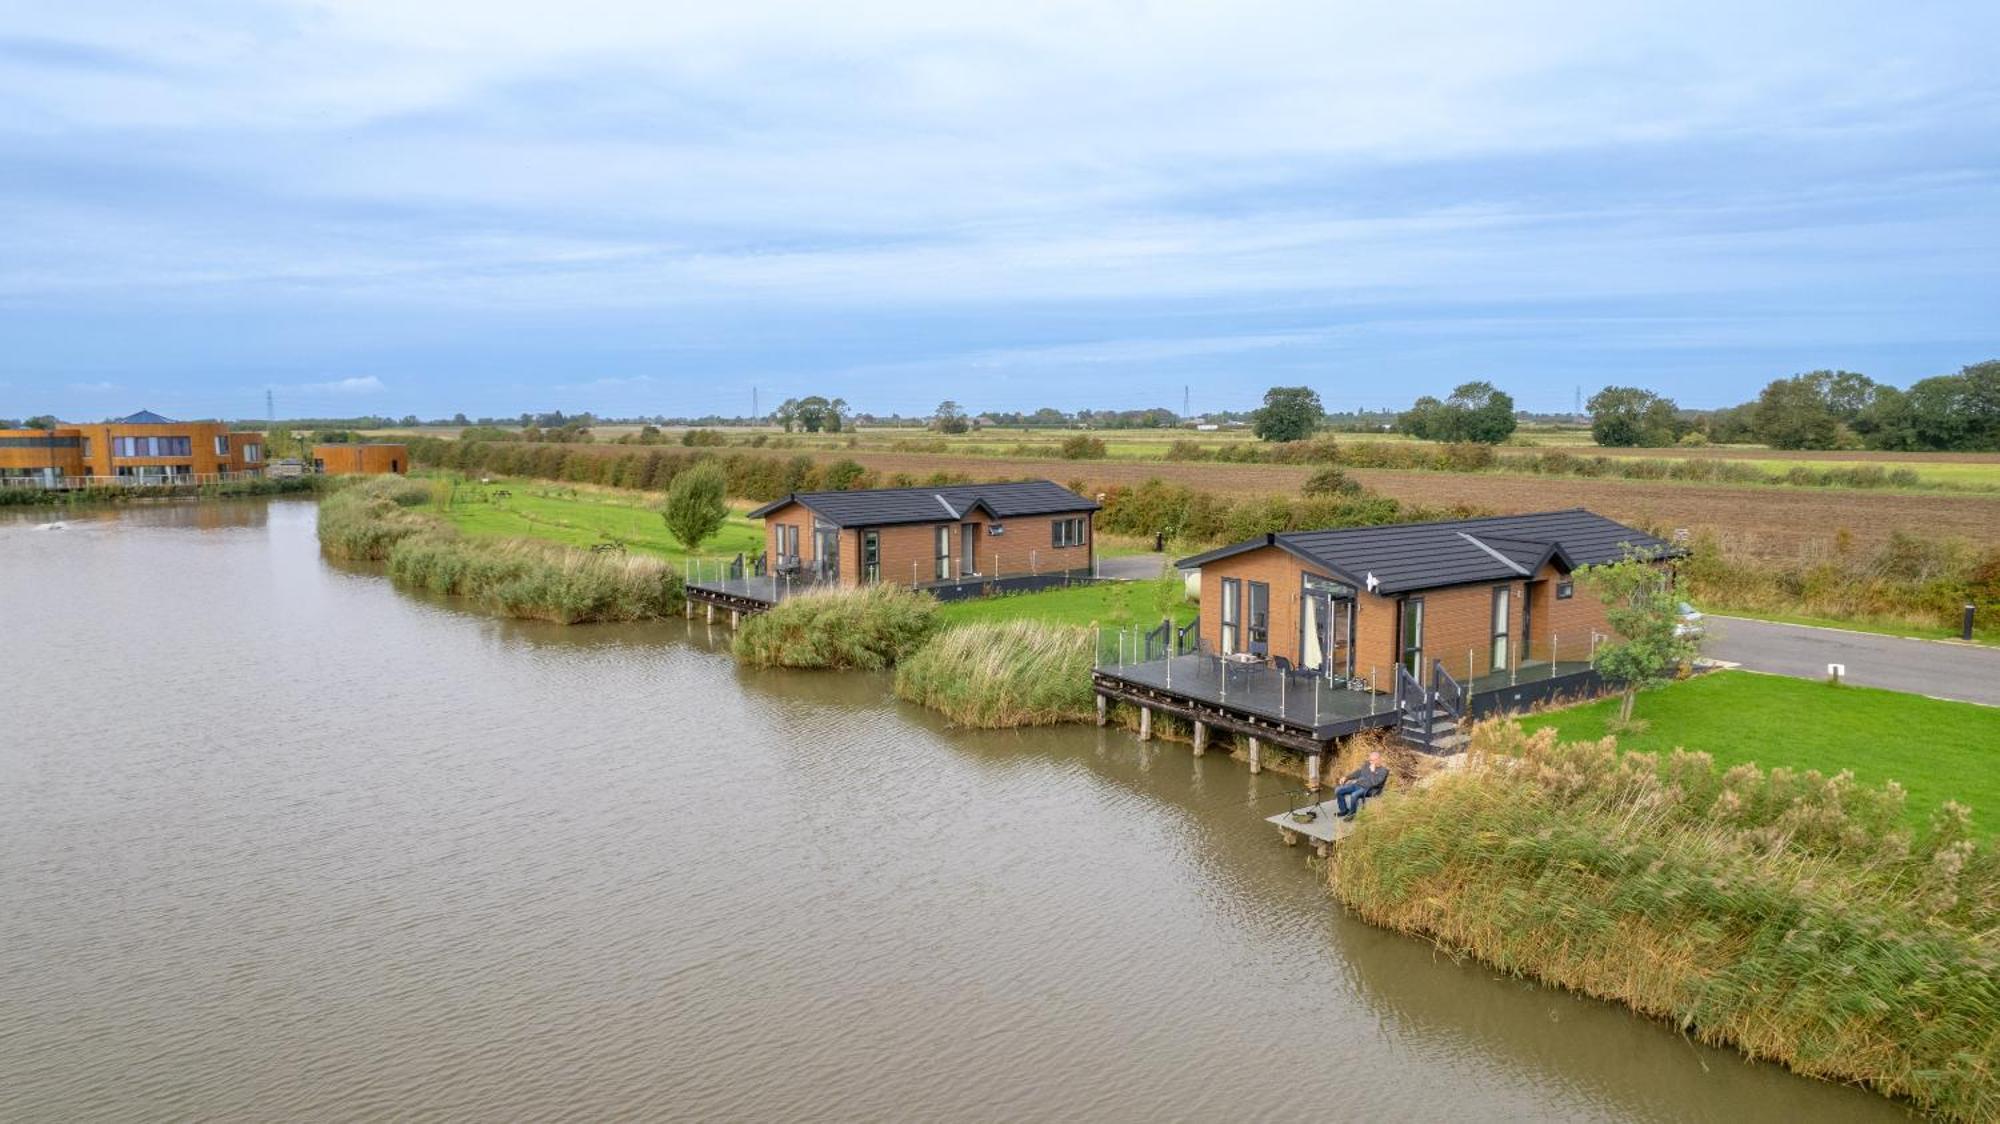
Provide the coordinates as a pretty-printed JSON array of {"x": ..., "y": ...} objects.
[
  {"x": 1926, "y": 667},
  {"x": 1131, "y": 567}
]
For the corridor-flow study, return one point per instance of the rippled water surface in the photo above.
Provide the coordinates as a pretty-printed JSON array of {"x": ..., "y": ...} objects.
[{"x": 279, "y": 842}]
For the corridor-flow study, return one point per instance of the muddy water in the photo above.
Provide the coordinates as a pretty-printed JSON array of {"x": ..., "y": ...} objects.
[{"x": 279, "y": 842}]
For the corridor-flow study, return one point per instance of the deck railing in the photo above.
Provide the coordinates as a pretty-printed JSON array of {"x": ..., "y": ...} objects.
[{"x": 78, "y": 483}]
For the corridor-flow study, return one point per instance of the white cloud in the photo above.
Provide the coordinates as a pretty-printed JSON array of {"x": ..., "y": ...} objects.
[
  {"x": 364, "y": 384},
  {"x": 93, "y": 387}
]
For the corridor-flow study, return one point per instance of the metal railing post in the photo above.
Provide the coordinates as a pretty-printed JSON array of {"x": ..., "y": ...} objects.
[{"x": 1555, "y": 654}]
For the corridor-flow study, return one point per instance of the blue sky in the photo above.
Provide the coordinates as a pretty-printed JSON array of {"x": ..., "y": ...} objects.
[{"x": 396, "y": 207}]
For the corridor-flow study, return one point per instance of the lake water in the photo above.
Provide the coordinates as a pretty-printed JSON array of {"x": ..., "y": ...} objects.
[{"x": 279, "y": 842}]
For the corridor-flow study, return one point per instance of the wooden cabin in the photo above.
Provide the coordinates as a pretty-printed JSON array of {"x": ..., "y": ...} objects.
[{"x": 1483, "y": 597}]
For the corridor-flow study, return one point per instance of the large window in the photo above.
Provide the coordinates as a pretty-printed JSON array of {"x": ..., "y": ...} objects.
[
  {"x": 871, "y": 556},
  {"x": 152, "y": 446},
  {"x": 253, "y": 453},
  {"x": 1070, "y": 532},
  {"x": 1232, "y": 615},
  {"x": 942, "y": 568},
  {"x": 1503, "y": 599},
  {"x": 221, "y": 444},
  {"x": 788, "y": 544}
]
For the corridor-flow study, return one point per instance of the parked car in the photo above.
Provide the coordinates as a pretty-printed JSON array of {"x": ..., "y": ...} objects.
[{"x": 1690, "y": 623}]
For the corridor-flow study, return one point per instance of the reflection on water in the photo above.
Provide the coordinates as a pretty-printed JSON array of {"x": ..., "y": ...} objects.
[{"x": 281, "y": 842}]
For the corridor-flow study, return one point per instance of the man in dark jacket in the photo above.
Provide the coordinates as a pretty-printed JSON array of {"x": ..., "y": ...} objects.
[{"x": 1361, "y": 784}]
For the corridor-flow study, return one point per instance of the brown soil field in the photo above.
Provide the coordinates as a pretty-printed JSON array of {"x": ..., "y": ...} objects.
[
  {"x": 1754, "y": 521},
  {"x": 1738, "y": 453}
]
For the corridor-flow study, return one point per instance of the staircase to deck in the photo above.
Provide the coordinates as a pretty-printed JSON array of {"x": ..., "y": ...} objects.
[{"x": 1432, "y": 719}]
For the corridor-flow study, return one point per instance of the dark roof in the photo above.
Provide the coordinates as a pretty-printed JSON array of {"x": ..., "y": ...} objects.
[
  {"x": 877, "y": 507},
  {"x": 1403, "y": 557},
  {"x": 145, "y": 417}
]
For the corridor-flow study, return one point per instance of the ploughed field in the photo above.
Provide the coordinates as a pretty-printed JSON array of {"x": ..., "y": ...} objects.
[{"x": 1760, "y": 521}]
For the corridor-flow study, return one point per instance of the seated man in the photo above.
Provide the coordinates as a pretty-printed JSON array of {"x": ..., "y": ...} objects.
[{"x": 1361, "y": 784}]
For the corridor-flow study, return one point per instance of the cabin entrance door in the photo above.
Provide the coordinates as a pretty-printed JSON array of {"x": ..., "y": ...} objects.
[
  {"x": 1326, "y": 628},
  {"x": 968, "y": 549}
]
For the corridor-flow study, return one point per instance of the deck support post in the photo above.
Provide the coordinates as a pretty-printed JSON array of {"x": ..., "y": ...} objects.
[
  {"x": 1200, "y": 738},
  {"x": 1145, "y": 723},
  {"x": 735, "y": 617},
  {"x": 1312, "y": 772},
  {"x": 1256, "y": 756},
  {"x": 711, "y": 612},
  {"x": 687, "y": 603},
  {"x": 1103, "y": 710}
]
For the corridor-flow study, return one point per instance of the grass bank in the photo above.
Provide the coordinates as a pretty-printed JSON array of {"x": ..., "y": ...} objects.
[
  {"x": 382, "y": 520},
  {"x": 868, "y": 629},
  {"x": 1937, "y": 750},
  {"x": 1017, "y": 673},
  {"x": 1793, "y": 916},
  {"x": 583, "y": 516}
]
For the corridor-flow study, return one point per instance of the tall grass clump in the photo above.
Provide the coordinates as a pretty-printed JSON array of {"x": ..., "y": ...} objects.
[
  {"x": 537, "y": 581},
  {"x": 1791, "y": 915},
  {"x": 871, "y": 628},
  {"x": 1018, "y": 673},
  {"x": 360, "y": 522}
]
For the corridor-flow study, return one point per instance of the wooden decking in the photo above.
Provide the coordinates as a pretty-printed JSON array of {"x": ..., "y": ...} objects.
[
  {"x": 1302, "y": 712},
  {"x": 1298, "y": 711}
]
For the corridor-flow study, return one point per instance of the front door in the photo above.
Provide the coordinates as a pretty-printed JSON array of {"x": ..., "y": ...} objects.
[
  {"x": 1260, "y": 618},
  {"x": 968, "y": 549},
  {"x": 1411, "y": 637},
  {"x": 1531, "y": 598}
]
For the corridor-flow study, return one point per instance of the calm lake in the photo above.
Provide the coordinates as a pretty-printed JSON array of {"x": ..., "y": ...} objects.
[{"x": 279, "y": 842}]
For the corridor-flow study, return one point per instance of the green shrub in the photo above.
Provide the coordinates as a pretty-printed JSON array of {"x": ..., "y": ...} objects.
[
  {"x": 869, "y": 628},
  {"x": 1083, "y": 447},
  {"x": 1791, "y": 915},
  {"x": 1018, "y": 673}
]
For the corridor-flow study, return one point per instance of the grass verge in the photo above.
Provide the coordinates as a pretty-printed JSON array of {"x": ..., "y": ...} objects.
[
  {"x": 1794, "y": 916},
  {"x": 1110, "y": 604},
  {"x": 1017, "y": 673},
  {"x": 1935, "y": 749}
]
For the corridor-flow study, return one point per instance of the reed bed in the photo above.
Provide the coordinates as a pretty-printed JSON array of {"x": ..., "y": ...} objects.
[
  {"x": 1791, "y": 915},
  {"x": 870, "y": 629},
  {"x": 1018, "y": 673},
  {"x": 378, "y": 521},
  {"x": 361, "y": 522}
]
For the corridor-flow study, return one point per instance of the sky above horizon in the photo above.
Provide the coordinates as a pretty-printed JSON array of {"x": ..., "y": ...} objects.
[{"x": 636, "y": 209}]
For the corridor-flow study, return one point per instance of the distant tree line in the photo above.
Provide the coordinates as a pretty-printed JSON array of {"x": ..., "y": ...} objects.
[{"x": 1818, "y": 410}]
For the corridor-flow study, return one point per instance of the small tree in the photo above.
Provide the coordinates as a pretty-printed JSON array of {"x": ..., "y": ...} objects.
[
  {"x": 1290, "y": 413},
  {"x": 1645, "y": 612},
  {"x": 950, "y": 418},
  {"x": 695, "y": 508}
]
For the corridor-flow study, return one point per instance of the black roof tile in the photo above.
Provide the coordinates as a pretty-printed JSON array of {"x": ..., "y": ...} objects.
[
  {"x": 878, "y": 507},
  {"x": 1410, "y": 556}
]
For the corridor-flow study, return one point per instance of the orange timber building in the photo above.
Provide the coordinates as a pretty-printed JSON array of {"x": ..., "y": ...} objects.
[{"x": 143, "y": 448}]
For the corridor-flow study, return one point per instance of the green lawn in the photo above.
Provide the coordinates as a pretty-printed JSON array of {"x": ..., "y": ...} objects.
[
  {"x": 587, "y": 516},
  {"x": 1937, "y": 750},
  {"x": 1108, "y": 604}
]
